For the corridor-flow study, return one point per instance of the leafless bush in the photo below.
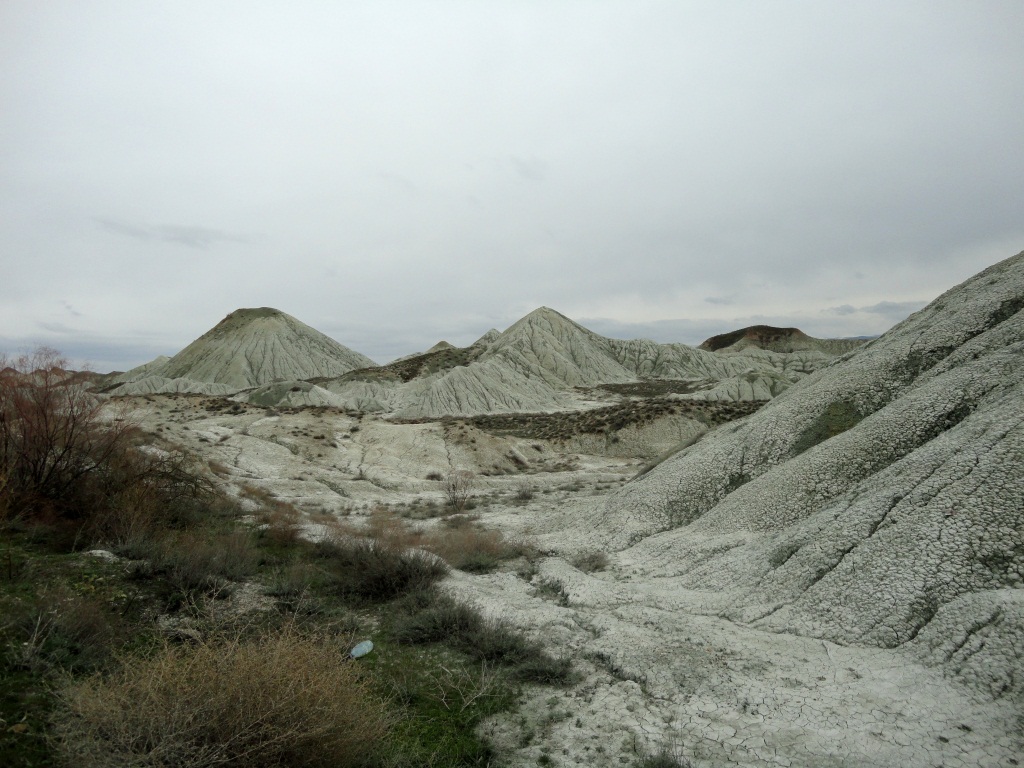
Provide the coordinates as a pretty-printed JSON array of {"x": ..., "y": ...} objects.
[
  {"x": 199, "y": 561},
  {"x": 524, "y": 492},
  {"x": 389, "y": 529},
  {"x": 460, "y": 521},
  {"x": 294, "y": 579},
  {"x": 52, "y": 433},
  {"x": 370, "y": 569},
  {"x": 473, "y": 549},
  {"x": 462, "y": 543},
  {"x": 281, "y": 521},
  {"x": 64, "y": 458},
  {"x": 217, "y": 467},
  {"x": 5, "y": 502},
  {"x": 281, "y": 699},
  {"x": 458, "y": 487},
  {"x": 459, "y": 689},
  {"x": 143, "y": 489},
  {"x": 433, "y": 616}
]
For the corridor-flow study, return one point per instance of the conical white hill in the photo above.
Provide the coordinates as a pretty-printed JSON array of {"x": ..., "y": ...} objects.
[
  {"x": 487, "y": 339},
  {"x": 253, "y": 347},
  {"x": 547, "y": 345},
  {"x": 878, "y": 501}
]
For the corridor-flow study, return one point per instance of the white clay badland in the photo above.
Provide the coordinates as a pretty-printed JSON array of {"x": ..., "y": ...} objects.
[{"x": 835, "y": 580}]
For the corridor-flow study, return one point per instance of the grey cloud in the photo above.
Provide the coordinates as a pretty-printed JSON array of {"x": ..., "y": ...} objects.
[
  {"x": 190, "y": 236},
  {"x": 399, "y": 181},
  {"x": 886, "y": 308},
  {"x": 91, "y": 351},
  {"x": 531, "y": 169},
  {"x": 140, "y": 233},
  {"x": 691, "y": 332},
  {"x": 419, "y": 173},
  {"x": 890, "y": 308},
  {"x": 842, "y": 309},
  {"x": 695, "y": 331},
  {"x": 197, "y": 237},
  {"x": 57, "y": 328}
]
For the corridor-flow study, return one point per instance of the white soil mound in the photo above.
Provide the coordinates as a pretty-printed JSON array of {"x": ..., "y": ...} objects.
[
  {"x": 877, "y": 502},
  {"x": 251, "y": 348}
]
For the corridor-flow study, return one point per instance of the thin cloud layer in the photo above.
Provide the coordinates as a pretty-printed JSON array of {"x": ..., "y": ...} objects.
[
  {"x": 192, "y": 237},
  {"x": 417, "y": 172}
]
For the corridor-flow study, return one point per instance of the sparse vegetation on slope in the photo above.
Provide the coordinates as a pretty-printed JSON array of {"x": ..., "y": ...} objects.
[
  {"x": 425, "y": 364},
  {"x": 562, "y": 426},
  {"x": 202, "y": 635},
  {"x": 283, "y": 698}
]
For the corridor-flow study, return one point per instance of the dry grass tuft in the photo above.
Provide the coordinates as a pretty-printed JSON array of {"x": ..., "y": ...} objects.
[
  {"x": 196, "y": 561},
  {"x": 62, "y": 629},
  {"x": 282, "y": 522},
  {"x": 371, "y": 569},
  {"x": 462, "y": 543},
  {"x": 472, "y": 549},
  {"x": 283, "y": 699},
  {"x": 390, "y": 530}
]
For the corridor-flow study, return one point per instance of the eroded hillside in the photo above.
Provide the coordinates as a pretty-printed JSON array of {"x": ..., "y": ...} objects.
[{"x": 830, "y": 578}]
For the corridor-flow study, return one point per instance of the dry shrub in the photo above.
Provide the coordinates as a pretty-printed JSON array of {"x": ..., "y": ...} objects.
[
  {"x": 473, "y": 549},
  {"x": 63, "y": 629},
  {"x": 462, "y": 544},
  {"x": 460, "y": 521},
  {"x": 52, "y": 434},
  {"x": 282, "y": 522},
  {"x": 294, "y": 579},
  {"x": 197, "y": 561},
  {"x": 373, "y": 569},
  {"x": 390, "y": 530},
  {"x": 458, "y": 487},
  {"x": 145, "y": 490},
  {"x": 283, "y": 699},
  {"x": 70, "y": 461},
  {"x": 432, "y": 616},
  {"x": 255, "y": 493},
  {"x": 217, "y": 467},
  {"x": 524, "y": 492},
  {"x": 5, "y": 502}
]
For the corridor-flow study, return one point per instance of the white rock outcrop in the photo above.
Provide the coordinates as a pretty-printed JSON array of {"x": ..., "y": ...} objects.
[{"x": 878, "y": 502}]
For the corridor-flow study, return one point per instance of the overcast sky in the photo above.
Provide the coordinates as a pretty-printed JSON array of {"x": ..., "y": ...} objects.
[{"x": 395, "y": 173}]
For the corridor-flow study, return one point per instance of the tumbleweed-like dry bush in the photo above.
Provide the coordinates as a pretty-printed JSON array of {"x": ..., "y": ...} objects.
[
  {"x": 285, "y": 699},
  {"x": 460, "y": 542}
]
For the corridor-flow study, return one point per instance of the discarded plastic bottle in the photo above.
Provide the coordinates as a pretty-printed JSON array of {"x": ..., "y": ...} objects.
[{"x": 362, "y": 649}]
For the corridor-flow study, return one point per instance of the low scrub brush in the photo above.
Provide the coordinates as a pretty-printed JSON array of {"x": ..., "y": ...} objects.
[
  {"x": 370, "y": 570},
  {"x": 283, "y": 699},
  {"x": 433, "y": 616}
]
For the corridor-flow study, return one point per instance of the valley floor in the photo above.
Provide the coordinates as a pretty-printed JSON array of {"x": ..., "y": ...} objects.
[
  {"x": 659, "y": 675},
  {"x": 656, "y": 673}
]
